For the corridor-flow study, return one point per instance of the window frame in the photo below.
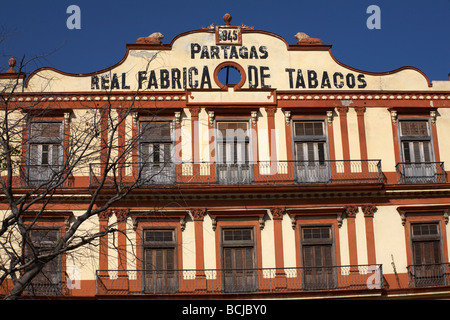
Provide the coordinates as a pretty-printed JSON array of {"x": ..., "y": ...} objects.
[
  {"x": 233, "y": 274},
  {"x": 158, "y": 140},
  {"x": 310, "y": 138},
  {"x": 170, "y": 283},
  {"x": 415, "y": 239},
  {"x": 327, "y": 274},
  {"x": 220, "y": 139},
  {"x": 315, "y": 242},
  {"x": 238, "y": 243},
  {"x": 41, "y": 141},
  {"x": 59, "y": 285},
  {"x": 415, "y": 138}
]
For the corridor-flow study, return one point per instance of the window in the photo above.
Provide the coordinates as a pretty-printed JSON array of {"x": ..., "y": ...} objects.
[
  {"x": 50, "y": 280},
  {"x": 416, "y": 151},
  {"x": 317, "y": 257},
  {"x": 233, "y": 153},
  {"x": 427, "y": 255},
  {"x": 156, "y": 152},
  {"x": 45, "y": 152},
  {"x": 160, "y": 273},
  {"x": 239, "y": 273},
  {"x": 310, "y": 148}
]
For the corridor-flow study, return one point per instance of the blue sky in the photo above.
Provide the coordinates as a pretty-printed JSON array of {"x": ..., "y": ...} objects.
[{"x": 413, "y": 33}]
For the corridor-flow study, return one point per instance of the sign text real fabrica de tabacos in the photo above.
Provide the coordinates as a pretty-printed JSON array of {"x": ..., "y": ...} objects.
[{"x": 194, "y": 77}]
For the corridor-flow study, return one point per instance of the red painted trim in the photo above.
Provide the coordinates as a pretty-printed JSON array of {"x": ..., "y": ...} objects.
[
  {"x": 351, "y": 212},
  {"x": 331, "y": 141},
  {"x": 233, "y": 65},
  {"x": 195, "y": 133},
  {"x": 344, "y": 132},
  {"x": 148, "y": 224},
  {"x": 369, "y": 211},
  {"x": 425, "y": 218},
  {"x": 121, "y": 215},
  {"x": 321, "y": 219},
  {"x": 272, "y": 133},
  {"x": 361, "y": 132},
  {"x": 198, "y": 215},
  {"x": 238, "y": 224},
  {"x": 434, "y": 136},
  {"x": 277, "y": 216}
]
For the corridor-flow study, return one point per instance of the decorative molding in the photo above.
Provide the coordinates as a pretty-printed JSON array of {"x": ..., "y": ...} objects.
[
  {"x": 270, "y": 111},
  {"x": 66, "y": 224},
  {"x": 214, "y": 223},
  {"x": 177, "y": 118},
  {"x": 330, "y": 117},
  {"x": 180, "y": 216},
  {"x": 121, "y": 214},
  {"x": 194, "y": 111},
  {"x": 66, "y": 118},
  {"x": 254, "y": 115},
  {"x": 198, "y": 214},
  {"x": 104, "y": 215},
  {"x": 433, "y": 116},
  {"x": 424, "y": 210},
  {"x": 339, "y": 220},
  {"x": 181, "y": 96},
  {"x": 232, "y": 214},
  {"x": 293, "y": 222},
  {"x": 316, "y": 212},
  {"x": 351, "y": 211},
  {"x": 369, "y": 210},
  {"x": 277, "y": 212},
  {"x": 262, "y": 222},
  {"x": 342, "y": 110},
  {"x": 394, "y": 117},
  {"x": 50, "y": 216},
  {"x": 403, "y": 218},
  {"x": 134, "y": 221},
  {"x": 287, "y": 115},
  {"x": 182, "y": 223},
  {"x": 211, "y": 118},
  {"x": 360, "y": 110}
]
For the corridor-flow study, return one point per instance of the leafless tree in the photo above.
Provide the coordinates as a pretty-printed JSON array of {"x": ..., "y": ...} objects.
[{"x": 34, "y": 171}]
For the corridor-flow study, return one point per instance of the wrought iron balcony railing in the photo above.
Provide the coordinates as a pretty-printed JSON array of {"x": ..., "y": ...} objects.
[
  {"x": 260, "y": 172},
  {"x": 429, "y": 275},
  {"x": 215, "y": 281},
  {"x": 420, "y": 172},
  {"x": 42, "y": 175},
  {"x": 54, "y": 283}
]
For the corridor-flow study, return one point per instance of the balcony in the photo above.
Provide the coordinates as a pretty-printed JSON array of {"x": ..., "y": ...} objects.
[
  {"x": 216, "y": 281},
  {"x": 41, "y": 175},
  {"x": 55, "y": 283},
  {"x": 260, "y": 172},
  {"x": 429, "y": 275},
  {"x": 420, "y": 172}
]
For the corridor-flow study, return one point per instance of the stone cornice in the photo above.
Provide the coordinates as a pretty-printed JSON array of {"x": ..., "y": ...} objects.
[{"x": 181, "y": 96}]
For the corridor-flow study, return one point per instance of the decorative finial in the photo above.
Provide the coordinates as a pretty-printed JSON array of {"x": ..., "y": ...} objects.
[
  {"x": 227, "y": 18},
  {"x": 12, "y": 64}
]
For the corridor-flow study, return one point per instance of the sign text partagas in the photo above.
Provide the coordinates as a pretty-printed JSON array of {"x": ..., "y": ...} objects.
[{"x": 200, "y": 76}]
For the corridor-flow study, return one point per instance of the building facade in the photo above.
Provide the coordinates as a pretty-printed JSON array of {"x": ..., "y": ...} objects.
[{"x": 268, "y": 169}]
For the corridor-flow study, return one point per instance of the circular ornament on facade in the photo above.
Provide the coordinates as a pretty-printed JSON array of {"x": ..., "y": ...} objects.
[{"x": 232, "y": 65}]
